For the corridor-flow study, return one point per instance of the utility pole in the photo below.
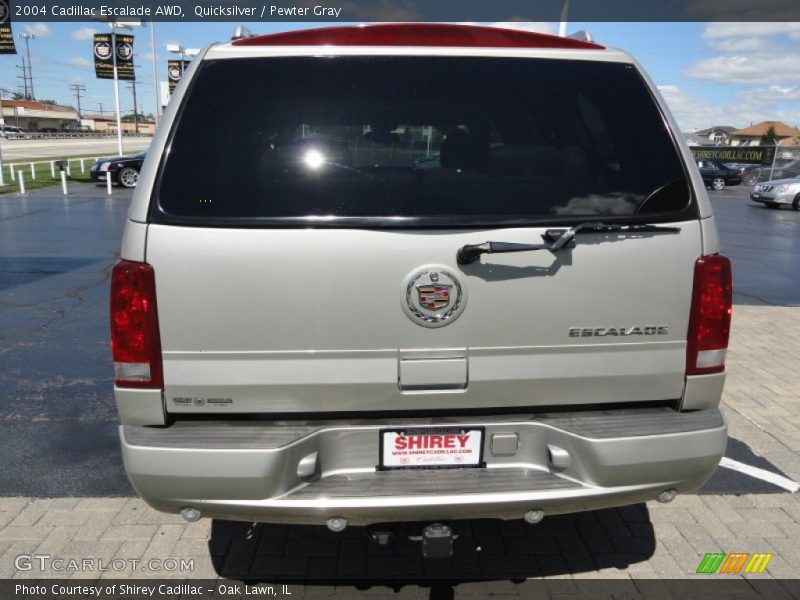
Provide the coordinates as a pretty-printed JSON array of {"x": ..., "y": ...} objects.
[
  {"x": 23, "y": 89},
  {"x": 132, "y": 87},
  {"x": 3, "y": 91},
  {"x": 29, "y": 75},
  {"x": 77, "y": 88}
]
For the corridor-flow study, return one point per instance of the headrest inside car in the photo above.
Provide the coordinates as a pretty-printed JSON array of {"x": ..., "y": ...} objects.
[{"x": 462, "y": 150}]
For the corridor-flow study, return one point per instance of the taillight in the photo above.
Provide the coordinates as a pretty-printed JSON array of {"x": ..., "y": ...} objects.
[
  {"x": 135, "y": 342},
  {"x": 710, "y": 321}
]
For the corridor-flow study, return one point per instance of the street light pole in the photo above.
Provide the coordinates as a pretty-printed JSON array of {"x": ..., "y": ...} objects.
[
  {"x": 562, "y": 26},
  {"x": 27, "y": 72},
  {"x": 28, "y": 37},
  {"x": 180, "y": 51},
  {"x": 116, "y": 87},
  {"x": 156, "y": 92}
]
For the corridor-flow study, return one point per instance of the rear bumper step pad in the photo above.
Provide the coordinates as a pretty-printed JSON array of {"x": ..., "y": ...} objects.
[
  {"x": 274, "y": 434},
  {"x": 251, "y": 471}
]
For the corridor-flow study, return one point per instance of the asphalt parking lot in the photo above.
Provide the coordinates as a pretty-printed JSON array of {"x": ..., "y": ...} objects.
[
  {"x": 62, "y": 477},
  {"x": 764, "y": 245}
]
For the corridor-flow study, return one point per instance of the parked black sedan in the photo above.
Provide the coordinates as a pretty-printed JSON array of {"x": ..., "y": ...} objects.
[
  {"x": 717, "y": 175},
  {"x": 123, "y": 170}
]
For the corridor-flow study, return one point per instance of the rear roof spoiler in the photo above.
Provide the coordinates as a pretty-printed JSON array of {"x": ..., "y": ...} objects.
[{"x": 418, "y": 34}]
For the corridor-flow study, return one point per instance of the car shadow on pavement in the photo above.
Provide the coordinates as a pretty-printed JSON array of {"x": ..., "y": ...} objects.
[{"x": 485, "y": 550}]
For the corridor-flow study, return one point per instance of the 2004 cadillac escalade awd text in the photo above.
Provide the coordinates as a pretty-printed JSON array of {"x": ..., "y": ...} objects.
[{"x": 417, "y": 273}]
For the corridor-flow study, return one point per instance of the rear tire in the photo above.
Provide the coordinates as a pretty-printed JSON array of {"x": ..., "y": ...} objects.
[{"x": 718, "y": 184}]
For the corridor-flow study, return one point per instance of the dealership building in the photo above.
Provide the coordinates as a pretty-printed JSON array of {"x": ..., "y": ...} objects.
[{"x": 32, "y": 115}]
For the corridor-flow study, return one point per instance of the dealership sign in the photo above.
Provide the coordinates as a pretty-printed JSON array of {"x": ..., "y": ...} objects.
[
  {"x": 104, "y": 57},
  {"x": 755, "y": 155},
  {"x": 6, "y": 35},
  {"x": 175, "y": 71}
]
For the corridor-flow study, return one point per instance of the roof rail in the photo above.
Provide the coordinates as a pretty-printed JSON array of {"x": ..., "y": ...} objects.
[
  {"x": 582, "y": 35},
  {"x": 242, "y": 32}
]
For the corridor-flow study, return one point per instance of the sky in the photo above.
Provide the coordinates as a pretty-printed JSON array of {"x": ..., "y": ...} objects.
[{"x": 709, "y": 73}]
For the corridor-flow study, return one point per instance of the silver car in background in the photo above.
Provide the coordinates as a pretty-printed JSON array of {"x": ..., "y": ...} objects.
[
  {"x": 781, "y": 192},
  {"x": 430, "y": 272}
]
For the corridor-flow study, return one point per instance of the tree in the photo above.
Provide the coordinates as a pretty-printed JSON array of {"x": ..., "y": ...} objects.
[
  {"x": 131, "y": 117},
  {"x": 769, "y": 138}
]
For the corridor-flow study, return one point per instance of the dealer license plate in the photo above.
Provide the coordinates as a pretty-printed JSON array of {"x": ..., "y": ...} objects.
[{"x": 431, "y": 448}]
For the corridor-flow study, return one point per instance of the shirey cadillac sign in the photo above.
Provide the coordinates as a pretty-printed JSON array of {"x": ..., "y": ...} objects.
[
  {"x": 756, "y": 155},
  {"x": 6, "y": 36},
  {"x": 104, "y": 56}
]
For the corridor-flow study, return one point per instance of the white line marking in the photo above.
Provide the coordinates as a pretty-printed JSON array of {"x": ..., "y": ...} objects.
[{"x": 772, "y": 478}]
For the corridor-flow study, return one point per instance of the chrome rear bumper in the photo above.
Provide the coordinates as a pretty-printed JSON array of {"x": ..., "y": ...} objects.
[{"x": 565, "y": 462}]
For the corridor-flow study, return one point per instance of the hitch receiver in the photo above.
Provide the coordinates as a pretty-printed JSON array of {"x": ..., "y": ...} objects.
[{"x": 437, "y": 541}]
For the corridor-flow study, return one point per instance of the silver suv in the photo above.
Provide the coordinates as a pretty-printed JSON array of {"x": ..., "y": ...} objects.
[{"x": 417, "y": 273}]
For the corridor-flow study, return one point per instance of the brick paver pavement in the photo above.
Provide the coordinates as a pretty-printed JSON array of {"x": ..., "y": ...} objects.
[{"x": 762, "y": 402}]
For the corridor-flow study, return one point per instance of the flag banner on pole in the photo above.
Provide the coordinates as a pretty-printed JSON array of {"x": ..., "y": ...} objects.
[
  {"x": 104, "y": 60},
  {"x": 6, "y": 35},
  {"x": 174, "y": 72}
]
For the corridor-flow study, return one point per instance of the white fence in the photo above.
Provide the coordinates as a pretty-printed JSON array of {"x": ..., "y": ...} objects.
[
  {"x": 18, "y": 172},
  {"x": 49, "y": 166}
]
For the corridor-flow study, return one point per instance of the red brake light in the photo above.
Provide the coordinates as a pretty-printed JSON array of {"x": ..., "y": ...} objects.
[
  {"x": 710, "y": 321},
  {"x": 135, "y": 341},
  {"x": 417, "y": 34}
]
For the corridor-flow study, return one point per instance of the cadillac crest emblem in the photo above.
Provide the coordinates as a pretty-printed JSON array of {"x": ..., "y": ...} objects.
[{"x": 433, "y": 296}]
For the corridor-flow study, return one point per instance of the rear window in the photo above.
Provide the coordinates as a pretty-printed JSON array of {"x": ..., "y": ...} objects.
[{"x": 396, "y": 141}]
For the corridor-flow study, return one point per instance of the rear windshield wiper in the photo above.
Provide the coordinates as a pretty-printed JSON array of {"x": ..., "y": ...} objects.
[{"x": 555, "y": 239}]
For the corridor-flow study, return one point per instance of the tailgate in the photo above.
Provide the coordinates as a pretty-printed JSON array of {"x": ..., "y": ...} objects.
[{"x": 316, "y": 320}]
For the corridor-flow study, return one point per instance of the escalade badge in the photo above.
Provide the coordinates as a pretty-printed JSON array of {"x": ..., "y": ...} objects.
[{"x": 433, "y": 296}]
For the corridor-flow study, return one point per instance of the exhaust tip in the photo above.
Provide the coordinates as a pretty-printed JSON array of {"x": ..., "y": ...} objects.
[
  {"x": 533, "y": 517},
  {"x": 667, "y": 496},
  {"x": 336, "y": 524},
  {"x": 190, "y": 514}
]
